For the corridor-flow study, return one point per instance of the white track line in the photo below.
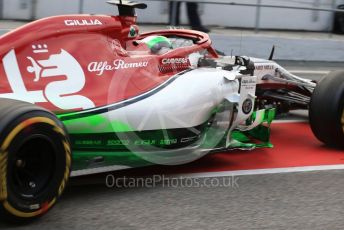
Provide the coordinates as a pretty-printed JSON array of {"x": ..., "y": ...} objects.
[
  {"x": 105, "y": 169},
  {"x": 309, "y": 72},
  {"x": 261, "y": 171},
  {"x": 289, "y": 121}
]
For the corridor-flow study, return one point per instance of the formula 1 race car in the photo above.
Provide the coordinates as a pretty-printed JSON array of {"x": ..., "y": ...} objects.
[{"x": 83, "y": 94}]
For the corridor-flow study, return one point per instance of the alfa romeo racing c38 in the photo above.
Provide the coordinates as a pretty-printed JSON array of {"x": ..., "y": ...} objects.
[{"x": 82, "y": 94}]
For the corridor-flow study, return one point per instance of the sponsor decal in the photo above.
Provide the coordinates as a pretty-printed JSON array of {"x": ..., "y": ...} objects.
[
  {"x": 167, "y": 61},
  {"x": 247, "y": 92},
  {"x": 101, "y": 67},
  {"x": 248, "y": 85},
  {"x": 56, "y": 92},
  {"x": 264, "y": 67},
  {"x": 247, "y": 106},
  {"x": 132, "y": 32},
  {"x": 83, "y": 22},
  {"x": 248, "y": 82},
  {"x": 174, "y": 64}
]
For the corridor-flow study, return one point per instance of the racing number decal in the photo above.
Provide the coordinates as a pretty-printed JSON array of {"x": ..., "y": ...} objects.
[{"x": 62, "y": 64}]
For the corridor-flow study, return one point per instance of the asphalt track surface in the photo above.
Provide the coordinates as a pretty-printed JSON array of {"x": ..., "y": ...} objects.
[{"x": 304, "y": 199}]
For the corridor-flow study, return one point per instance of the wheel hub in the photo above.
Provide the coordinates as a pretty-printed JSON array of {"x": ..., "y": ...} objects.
[{"x": 33, "y": 166}]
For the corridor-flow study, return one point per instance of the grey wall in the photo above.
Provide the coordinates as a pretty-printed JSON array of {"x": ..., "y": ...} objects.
[{"x": 232, "y": 16}]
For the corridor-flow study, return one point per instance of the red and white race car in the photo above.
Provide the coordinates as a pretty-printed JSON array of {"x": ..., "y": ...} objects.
[{"x": 84, "y": 94}]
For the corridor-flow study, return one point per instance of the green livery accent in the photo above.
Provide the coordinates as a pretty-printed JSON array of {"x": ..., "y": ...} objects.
[
  {"x": 100, "y": 142},
  {"x": 95, "y": 124},
  {"x": 258, "y": 137}
]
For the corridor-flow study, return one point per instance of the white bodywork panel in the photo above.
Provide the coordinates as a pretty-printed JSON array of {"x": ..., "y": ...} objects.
[{"x": 186, "y": 102}]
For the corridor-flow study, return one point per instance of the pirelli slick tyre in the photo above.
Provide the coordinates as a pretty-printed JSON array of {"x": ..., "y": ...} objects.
[
  {"x": 326, "y": 112},
  {"x": 35, "y": 160}
]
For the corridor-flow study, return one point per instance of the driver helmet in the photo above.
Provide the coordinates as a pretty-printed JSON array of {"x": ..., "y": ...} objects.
[{"x": 157, "y": 43}]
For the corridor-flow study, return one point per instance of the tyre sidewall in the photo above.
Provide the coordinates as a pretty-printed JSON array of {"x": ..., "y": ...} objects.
[
  {"x": 326, "y": 109},
  {"x": 14, "y": 206}
]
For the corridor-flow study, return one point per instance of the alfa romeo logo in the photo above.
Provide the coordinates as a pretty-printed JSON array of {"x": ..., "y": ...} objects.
[{"x": 247, "y": 106}]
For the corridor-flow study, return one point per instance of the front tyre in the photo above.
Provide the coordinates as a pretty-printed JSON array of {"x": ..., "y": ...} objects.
[
  {"x": 326, "y": 112},
  {"x": 35, "y": 160}
]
